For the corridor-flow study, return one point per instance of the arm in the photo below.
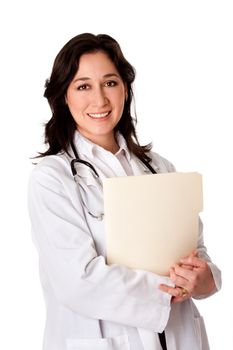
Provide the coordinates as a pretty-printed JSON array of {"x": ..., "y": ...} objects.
[
  {"x": 194, "y": 274},
  {"x": 203, "y": 270},
  {"x": 214, "y": 270},
  {"x": 79, "y": 278}
]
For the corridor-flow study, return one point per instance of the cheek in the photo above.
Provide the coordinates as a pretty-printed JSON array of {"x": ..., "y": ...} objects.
[
  {"x": 121, "y": 102},
  {"x": 119, "y": 99},
  {"x": 76, "y": 105}
]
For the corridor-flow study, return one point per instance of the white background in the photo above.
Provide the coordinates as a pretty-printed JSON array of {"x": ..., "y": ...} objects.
[{"x": 183, "y": 54}]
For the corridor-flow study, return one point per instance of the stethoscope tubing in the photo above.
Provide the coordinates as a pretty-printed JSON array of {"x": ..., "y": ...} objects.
[{"x": 76, "y": 160}]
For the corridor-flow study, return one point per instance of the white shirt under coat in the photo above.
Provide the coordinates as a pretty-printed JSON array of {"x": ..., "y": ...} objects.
[{"x": 90, "y": 305}]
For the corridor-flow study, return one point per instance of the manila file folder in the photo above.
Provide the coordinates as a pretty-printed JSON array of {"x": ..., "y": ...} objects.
[{"x": 151, "y": 221}]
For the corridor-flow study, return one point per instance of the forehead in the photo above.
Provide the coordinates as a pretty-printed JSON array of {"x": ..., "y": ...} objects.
[{"x": 95, "y": 64}]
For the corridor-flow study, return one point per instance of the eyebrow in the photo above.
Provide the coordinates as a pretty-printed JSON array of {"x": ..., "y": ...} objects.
[{"x": 105, "y": 76}]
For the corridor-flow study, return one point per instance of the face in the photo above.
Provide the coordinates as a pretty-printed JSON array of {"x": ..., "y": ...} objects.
[{"x": 96, "y": 98}]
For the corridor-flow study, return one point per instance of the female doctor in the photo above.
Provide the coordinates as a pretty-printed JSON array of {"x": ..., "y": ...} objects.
[{"x": 90, "y": 305}]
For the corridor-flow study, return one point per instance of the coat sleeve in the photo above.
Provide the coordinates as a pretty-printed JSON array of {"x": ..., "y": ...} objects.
[
  {"x": 79, "y": 278},
  {"x": 202, "y": 253}
]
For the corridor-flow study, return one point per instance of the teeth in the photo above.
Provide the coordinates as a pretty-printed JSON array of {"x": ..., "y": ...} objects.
[{"x": 98, "y": 115}]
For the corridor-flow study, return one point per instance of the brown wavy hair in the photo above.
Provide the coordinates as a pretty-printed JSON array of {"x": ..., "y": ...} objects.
[{"x": 60, "y": 129}]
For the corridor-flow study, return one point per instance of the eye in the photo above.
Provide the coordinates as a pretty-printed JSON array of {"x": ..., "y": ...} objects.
[
  {"x": 110, "y": 83},
  {"x": 83, "y": 87}
]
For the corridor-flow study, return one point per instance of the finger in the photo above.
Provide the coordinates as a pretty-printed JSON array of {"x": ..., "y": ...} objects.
[
  {"x": 176, "y": 300},
  {"x": 194, "y": 253},
  {"x": 191, "y": 254},
  {"x": 184, "y": 295},
  {"x": 188, "y": 267},
  {"x": 175, "y": 292},
  {"x": 182, "y": 261},
  {"x": 180, "y": 281},
  {"x": 180, "y": 272},
  {"x": 193, "y": 261}
]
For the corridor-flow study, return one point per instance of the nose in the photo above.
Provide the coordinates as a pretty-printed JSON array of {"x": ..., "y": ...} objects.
[{"x": 99, "y": 97}]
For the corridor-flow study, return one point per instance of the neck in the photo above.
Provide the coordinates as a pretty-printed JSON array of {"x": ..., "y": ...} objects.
[
  {"x": 109, "y": 145},
  {"x": 106, "y": 142}
]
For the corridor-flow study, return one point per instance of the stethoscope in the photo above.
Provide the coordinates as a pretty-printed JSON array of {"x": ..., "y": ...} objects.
[{"x": 99, "y": 216}]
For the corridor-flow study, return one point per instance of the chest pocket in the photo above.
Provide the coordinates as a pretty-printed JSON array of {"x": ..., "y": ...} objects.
[
  {"x": 91, "y": 190},
  {"x": 86, "y": 176}
]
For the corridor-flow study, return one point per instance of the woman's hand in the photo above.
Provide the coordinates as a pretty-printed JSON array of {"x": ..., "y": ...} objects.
[{"x": 192, "y": 278}]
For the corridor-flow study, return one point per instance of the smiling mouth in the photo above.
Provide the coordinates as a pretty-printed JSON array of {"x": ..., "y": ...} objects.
[{"x": 99, "y": 115}]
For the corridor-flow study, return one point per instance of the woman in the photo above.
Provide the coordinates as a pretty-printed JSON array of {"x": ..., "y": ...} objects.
[{"x": 91, "y": 305}]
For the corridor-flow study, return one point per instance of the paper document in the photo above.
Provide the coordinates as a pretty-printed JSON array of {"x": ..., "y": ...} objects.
[{"x": 151, "y": 221}]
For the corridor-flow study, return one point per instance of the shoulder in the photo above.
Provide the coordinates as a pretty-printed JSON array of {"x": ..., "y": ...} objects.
[
  {"x": 162, "y": 163},
  {"x": 51, "y": 170}
]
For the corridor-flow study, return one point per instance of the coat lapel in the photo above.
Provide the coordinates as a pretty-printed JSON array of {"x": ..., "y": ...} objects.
[{"x": 139, "y": 168}]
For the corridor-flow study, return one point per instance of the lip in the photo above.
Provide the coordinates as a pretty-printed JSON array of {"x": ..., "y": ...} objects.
[{"x": 99, "y": 115}]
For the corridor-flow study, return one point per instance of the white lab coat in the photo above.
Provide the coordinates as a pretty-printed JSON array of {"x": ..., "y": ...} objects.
[{"x": 90, "y": 305}]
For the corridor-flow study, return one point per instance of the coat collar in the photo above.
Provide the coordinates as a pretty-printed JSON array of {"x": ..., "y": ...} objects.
[
  {"x": 140, "y": 169},
  {"x": 89, "y": 149}
]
